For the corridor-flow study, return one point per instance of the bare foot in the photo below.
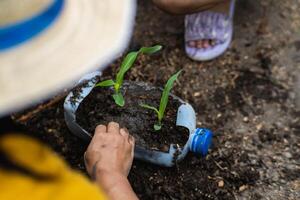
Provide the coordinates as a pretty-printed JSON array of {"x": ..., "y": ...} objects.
[{"x": 206, "y": 43}]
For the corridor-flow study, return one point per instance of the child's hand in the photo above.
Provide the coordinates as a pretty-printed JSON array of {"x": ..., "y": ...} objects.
[{"x": 110, "y": 151}]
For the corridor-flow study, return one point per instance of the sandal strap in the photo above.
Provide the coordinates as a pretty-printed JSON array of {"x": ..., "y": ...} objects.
[
  {"x": 209, "y": 25},
  {"x": 231, "y": 9}
]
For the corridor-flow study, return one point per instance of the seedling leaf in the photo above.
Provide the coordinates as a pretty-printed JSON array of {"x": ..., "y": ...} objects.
[
  {"x": 150, "y": 50},
  {"x": 163, "y": 101},
  {"x": 106, "y": 83},
  {"x": 117, "y": 87},
  {"x": 125, "y": 66},
  {"x": 157, "y": 127},
  {"x": 130, "y": 59},
  {"x": 150, "y": 107},
  {"x": 119, "y": 99},
  {"x": 165, "y": 95}
]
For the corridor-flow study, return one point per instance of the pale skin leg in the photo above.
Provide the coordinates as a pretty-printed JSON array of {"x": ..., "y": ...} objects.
[
  {"x": 193, "y": 6},
  {"x": 108, "y": 160}
]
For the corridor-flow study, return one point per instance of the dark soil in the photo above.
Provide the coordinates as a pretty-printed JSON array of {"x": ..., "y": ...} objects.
[
  {"x": 99, "y": 108},
  {"x": 193, "y": 178},
  {"x": 248, "y": 97}
]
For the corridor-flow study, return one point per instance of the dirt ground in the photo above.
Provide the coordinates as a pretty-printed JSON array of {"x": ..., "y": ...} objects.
[{"x": 249, "y": 97}]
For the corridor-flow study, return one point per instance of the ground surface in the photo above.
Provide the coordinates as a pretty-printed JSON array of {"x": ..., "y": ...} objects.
[{"x": 249, "y": 97}]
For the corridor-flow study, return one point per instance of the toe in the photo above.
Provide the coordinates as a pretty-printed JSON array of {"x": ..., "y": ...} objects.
[
  {"x": 212, "y": 42},
  {"x": 205, "y": 44},
  {"x": 199, "y": 44},
  {"x": 192, "y": 43}
]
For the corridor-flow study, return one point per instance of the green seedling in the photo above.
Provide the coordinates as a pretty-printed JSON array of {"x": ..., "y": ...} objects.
[
  {"x": 163, "y": 101},
  {"x": 125, "y": 66}
]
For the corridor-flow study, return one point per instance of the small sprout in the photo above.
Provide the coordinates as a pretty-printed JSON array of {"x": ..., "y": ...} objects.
[
  {"x": 125, "y": 66},
  {"x": 163, "y": 101}
]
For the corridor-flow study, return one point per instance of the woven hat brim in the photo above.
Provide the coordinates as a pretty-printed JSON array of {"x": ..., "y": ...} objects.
[{"x": 87, "y": 36}]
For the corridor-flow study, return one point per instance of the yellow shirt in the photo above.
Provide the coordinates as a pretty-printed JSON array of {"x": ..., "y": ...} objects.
[{"x": 63, "y": 183}]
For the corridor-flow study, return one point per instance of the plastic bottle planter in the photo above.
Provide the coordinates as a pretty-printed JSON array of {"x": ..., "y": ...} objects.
[{"x": 199, "y": 139}]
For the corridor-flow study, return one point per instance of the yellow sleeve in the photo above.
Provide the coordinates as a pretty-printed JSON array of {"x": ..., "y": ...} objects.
[{"x": 58, "y": 181}]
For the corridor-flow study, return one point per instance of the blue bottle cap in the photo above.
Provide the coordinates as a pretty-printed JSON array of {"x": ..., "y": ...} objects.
[{"x": 201, "y": 141}]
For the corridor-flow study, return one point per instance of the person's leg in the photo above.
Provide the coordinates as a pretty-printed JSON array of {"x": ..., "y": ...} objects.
[{"x": 188, "y": 6}]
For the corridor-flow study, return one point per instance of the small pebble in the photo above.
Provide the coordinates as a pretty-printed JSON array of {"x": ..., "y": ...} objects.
[
  {"x": 259, "y": 126},
  {"x": 197, "y": 94},
  {"x": 245, "y": 119},
  {"x": 243, "y": 188},
  {"x": 221, "y": 183},
  {"x": 287, "y": 154},
  {"x": 199, "y": 123}
]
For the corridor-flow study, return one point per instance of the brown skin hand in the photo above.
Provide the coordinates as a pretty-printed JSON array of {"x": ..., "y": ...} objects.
[{"x": 108, "y": 160}]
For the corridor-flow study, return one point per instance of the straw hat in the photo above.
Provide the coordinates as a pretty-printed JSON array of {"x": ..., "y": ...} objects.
[{"x": 46, "y": 45}]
